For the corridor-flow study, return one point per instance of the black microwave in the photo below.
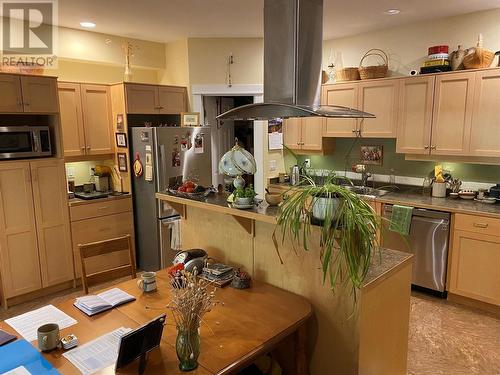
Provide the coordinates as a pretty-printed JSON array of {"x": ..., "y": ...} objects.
[{"x": 18, "y": 142}]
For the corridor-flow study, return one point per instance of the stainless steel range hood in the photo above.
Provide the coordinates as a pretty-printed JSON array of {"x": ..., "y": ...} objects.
[{"x": 293, "y": 38}]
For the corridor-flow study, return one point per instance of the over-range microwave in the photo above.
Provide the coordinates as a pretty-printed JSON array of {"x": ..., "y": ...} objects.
[{"x": 17, "y": 142}]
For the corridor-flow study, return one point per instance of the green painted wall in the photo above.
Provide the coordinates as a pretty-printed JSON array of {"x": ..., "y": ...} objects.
[{"x": 347, "y": 153}]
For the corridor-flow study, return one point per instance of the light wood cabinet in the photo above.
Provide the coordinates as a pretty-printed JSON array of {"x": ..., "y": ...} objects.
[
  {"x": 39, "y": 94},
  {"x": 90, "y": 228},
  {"x": 11, "y": 100},
  {"x": 19, "y": 259},
  {"x": 346, "y": 95},
  {"x": 71, "y": 119},
  {"x": 305, "y": 134},
  {"x": 154, "y": 99},
  {"x": 52, "y": 221},
  {"x": 452, "y": 117},
  {"x": 485, "y": 129},
  {"x": 86, "y": 119},
  {"x": 416, "y": 97},
  {"x": 96, "y": 106},
  {"x": 381, "y": 99},
  {"x": 475, "y": 258}
]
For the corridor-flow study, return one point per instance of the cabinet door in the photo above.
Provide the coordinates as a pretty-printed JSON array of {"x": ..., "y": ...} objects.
[
  {"x": 52, "y": 221},
  {"x": 97, "y": 122},
  {"x": 19, "y": 261},
  {"x": 312, "y": 133},
  {"x": 474, "y": 266},
  {"x": 100, "y": 229},
  {"x": 485, "y": 132},
  {"x": 11, "y": 100},
  {"x": 172, "y": 100},
  {"x": 292, "y": 133},
  {"x": 71, "y": 119},
  {"x": 452, "y": 117},
  {"x": 39, "y": 94},
  {"x": 381, "y": 99},
  {"x": 346, "y": 95},
  {"x": 142, "y": 99},
  {"x": 415, "y": 115}
]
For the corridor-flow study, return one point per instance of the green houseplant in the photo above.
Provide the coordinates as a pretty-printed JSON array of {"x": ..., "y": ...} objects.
[
  {"x": 347, "y": 224},
  {"x": 244, "y": 195}
]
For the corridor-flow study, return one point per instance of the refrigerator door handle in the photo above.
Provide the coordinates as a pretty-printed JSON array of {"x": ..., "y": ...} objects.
[{"x": 163, "y": 167}]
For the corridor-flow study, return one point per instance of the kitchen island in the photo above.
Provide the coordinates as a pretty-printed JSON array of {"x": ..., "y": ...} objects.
[{"x": 369, "y": 337}]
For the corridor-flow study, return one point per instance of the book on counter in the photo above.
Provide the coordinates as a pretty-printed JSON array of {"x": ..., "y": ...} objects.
[
  {"x": 218, "y": 273},
  {"x": 94, "y": 304}
]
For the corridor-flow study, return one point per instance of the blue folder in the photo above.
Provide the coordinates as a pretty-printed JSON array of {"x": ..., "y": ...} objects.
[{"x": 22, "y": 353}]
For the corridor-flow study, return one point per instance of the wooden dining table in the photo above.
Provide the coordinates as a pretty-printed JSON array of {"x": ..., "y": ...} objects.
[{"x": 244, "y": 325}]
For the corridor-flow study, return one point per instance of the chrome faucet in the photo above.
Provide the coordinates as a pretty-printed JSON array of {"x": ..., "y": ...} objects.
[{"x": 364, "y": 178}]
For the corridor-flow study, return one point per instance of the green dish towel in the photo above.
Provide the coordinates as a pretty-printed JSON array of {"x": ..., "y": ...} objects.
[{"x": 401, "y": 219}]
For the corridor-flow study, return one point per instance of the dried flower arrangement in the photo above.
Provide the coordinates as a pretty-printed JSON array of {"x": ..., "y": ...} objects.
[{"x": 191, "y": 300}]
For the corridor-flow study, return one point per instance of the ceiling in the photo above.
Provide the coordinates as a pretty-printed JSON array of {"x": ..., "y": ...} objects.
[{"x": 168, "y": 20}]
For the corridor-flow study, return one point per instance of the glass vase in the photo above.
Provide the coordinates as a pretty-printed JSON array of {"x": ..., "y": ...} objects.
[{"x": 187, "y": 346}]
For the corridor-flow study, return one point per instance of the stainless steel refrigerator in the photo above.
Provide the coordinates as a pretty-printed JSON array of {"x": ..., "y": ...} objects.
[{"x": 167, "y": 156}]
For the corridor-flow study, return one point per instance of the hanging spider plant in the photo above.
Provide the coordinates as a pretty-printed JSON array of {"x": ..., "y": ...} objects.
[{"x": 348, "y": 229}]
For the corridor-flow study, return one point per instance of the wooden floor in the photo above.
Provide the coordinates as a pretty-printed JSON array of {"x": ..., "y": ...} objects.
[{"x": 445, "y": 338}]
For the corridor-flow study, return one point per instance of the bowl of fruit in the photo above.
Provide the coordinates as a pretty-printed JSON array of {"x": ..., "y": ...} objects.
[{"x": 190, "y": 189}]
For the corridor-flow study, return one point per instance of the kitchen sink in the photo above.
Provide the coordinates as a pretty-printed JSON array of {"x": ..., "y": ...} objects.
[{"x": 367, "y": 191}]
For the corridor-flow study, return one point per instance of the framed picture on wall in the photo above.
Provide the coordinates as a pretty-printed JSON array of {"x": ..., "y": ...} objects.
[
  {"x": 121, "y": 139},
  {"x": 190, "y": 119},
  {"x": 372, "y": 155},
  {"x": 122, "y": 162}
]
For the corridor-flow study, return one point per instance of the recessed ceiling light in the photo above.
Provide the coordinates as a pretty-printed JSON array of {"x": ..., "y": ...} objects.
[
  {"x": 392, "y": 11},
  {"x": 87, "y": 24}
]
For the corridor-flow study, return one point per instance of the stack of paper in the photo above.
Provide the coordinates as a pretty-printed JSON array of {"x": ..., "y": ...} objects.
[
  {"x": 91, "y": 305},
  {"x": 27, "y": 324},
  {"x": 97, "y": 354}
]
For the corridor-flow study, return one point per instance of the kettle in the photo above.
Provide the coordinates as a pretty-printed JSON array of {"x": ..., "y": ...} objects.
[{"x": 294, "y": 175}]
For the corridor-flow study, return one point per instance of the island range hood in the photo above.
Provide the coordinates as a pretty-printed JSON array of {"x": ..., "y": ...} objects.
[{"x": 293, "y": 44}]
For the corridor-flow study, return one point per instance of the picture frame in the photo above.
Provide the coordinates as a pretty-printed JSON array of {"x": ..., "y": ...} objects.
[
  {"x": 120, "y": 122},
  {"x": 122, "y": 161},
  {"x": 190, "y": 119},
  {"x": 121, "y": 139},
  {"x": 371, "y": 154}
]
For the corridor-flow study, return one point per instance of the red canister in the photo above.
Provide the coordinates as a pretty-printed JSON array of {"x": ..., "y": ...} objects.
[{"x": 438, "y": 49}]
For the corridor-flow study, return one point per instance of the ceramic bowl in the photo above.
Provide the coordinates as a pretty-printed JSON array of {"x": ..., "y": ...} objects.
[
  {"x": 273, "y": 199},
  {"x": 489, "y": 200},
  {"x": 243, "y": 201}
]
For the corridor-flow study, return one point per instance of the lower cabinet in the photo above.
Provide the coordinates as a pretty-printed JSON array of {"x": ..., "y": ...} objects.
[
  {"x": 475, "y": 258},
  {"x": 97, "y": 222},
  {"x": 35, "y": 246}
]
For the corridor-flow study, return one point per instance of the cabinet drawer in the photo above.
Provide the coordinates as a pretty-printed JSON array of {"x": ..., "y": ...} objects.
[
  {"x": 478, "y": 224},
  {"x": 91, "y": 210},
  {"x": 100, "y": 229}
]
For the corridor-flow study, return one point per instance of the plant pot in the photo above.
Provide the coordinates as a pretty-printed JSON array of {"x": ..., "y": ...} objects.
[
  {"x": 325, "y": 206},
  {"x": 187, "y": 346},
  {"x": 243, "y": 201}
]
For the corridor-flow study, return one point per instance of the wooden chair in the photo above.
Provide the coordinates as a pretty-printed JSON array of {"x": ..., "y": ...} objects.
[{"x": 106, "y": 247}]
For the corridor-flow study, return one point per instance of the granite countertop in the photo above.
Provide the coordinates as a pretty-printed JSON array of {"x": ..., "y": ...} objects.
[
  {"x": 77, "y": 201},
  {"x": 412, "y": 196},
  {"x": 383, "y": 262}
]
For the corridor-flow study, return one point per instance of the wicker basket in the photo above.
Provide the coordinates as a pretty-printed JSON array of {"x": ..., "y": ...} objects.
[
  {"x": 347, "y": 74},
  {"x": 374, "y": 71},
  {"x": 478, "y": 57}
]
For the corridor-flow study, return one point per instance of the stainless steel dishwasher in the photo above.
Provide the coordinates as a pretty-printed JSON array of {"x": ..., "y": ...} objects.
[{"x": 428, "y": 242}]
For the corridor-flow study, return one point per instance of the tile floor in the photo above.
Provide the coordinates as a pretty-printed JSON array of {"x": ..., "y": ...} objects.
[{"x": 445, "y": 338}]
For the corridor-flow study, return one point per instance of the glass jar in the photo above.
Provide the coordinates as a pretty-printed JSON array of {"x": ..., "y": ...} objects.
[{"x": 187, "y": 346}]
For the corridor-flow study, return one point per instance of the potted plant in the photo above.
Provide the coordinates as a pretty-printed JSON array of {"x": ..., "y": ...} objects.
[
  {"x": 244, "y": 196},
  {"x": 347, "y": 224}
]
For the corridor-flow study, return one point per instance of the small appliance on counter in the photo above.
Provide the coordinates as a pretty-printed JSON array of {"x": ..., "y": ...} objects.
[
  {"x": 101, "y": 183},
  {"x": 18, "y": 142},
  {"x": 495, "y": 191},
  {"x": 91, "y": 195},
  {"x": 191, "y": 258}
]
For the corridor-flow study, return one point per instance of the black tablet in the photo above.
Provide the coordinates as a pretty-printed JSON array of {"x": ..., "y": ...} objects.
[{"x": 140, "y": 341}]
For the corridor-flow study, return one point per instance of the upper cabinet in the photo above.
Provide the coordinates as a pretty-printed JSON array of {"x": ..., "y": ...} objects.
[
  {"x": 86, "y": 119},
  {"x": 452, "y": 116},
  {"x": 485, "y": 129},
  {"x": 381, "y": 99},
  {"x": 153, "y": 99},
  {"x": 415, "y": 115},
  {"x": 28, "y": 94},
  {"x": 305, "y": 135},
  {"x": 346, "y": 95}
]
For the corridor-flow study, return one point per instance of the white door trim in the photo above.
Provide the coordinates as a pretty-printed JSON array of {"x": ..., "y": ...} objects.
[{"x": 259, "y": 129}]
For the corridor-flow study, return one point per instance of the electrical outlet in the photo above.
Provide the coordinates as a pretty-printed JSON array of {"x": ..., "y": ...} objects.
[
  {"x": 272, "y": 165},
  {"x": 307, "y": 163},
  {"x": 70, "y": 172}
]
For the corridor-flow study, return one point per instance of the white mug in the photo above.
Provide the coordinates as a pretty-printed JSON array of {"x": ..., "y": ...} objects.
[{"x": 147, "y": 282}]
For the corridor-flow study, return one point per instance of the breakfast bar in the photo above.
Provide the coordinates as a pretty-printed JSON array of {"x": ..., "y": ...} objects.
[{"x": 341, "y": 333}]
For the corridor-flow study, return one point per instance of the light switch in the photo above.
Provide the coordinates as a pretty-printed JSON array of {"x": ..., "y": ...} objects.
[
  {"x": 272, "y": 165},
  {"x": 70, "y": 172}
]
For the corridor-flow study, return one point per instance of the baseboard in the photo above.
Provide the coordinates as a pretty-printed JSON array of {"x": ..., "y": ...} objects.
[
  {"x": 39, "y": 293},
  {"x": 488, "y": 307}
]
